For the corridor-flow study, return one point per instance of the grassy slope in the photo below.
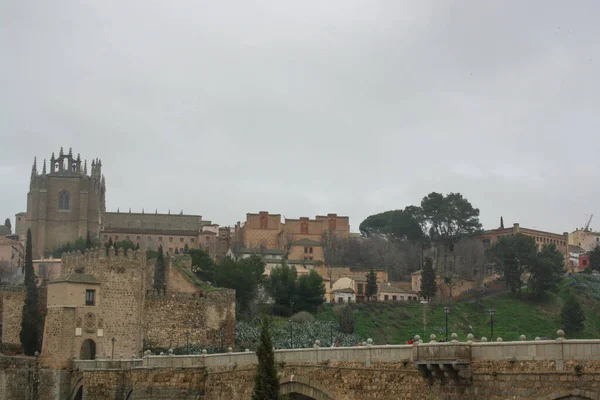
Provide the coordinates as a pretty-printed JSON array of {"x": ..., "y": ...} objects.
[{"x": 396, "y": 323}]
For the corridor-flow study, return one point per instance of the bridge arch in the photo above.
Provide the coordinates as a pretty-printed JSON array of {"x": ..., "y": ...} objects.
[
  {"x": 576, "y": 394},
  {"x": 77, "y": 392},
  {"x": 304, "y": 388}
]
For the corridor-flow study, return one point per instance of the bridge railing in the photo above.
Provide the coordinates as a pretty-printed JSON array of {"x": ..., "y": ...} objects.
[
  {"x": 107, "y": 364},
  {"x": 539, "y": 350}
]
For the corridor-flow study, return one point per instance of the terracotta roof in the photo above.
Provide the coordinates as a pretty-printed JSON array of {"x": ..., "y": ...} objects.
[
  {"x": 75, "y": 277},
  {"x": 148, "y": 231},
  {"x": 259, "y": 251},
  {"x": 392, "y": 289}
]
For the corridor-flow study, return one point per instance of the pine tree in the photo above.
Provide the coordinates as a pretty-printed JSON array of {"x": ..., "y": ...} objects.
[
  {"x": 31, "y": 335},
  {"x": 572, "y": 316},
  {"x": 371, "y": 288},
  {"x": 428, "y": 285},
  {"x": 266, "y": 383},
  {"x": 159, "y": 271},
  {"x": 88, "y": 241}
]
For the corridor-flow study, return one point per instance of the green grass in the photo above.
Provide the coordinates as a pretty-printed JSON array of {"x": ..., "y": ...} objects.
[{"x": 396, "y": 323}]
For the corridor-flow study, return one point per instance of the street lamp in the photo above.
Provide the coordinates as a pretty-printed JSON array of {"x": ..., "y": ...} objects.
[
  {"x": 492, "y": 311},
  {"x": 447, "y": 311},
  {"x": 187, "y": 345},
  {"x": 291, "y": 334},
  {"x": 113, "y": 340}
]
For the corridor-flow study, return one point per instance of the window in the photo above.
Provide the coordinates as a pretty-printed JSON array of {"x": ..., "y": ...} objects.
[
  {"x": 208, "y": 238},
  {"x": 394, "y": 298},
  {"x": 181, "y": 240},
  {"x": 486, "y": 243},
  {"x": 63, "y": 200},
  {"x": 90, "y": 297},
  {"x": 340, "y": 299},
  {"x": 170, "y": 239},
  {"x": 116, "y": 237},
  {"x": 310, "y": 249},
  {"x": 386, "y": 297},
  {"x": 138, "y": 238},
  {"x": 191, "y": 240},
  {"x": 149, "y": 238},
  {"x": 306, "y": 249},
  {"x": 160, "y": 238},
  {"x": 360, "y": 288},
  {"x": 105, "y": 237}
]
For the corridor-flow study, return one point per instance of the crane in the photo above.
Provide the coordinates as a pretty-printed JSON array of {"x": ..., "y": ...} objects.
[{"x": 587, "y": 225}]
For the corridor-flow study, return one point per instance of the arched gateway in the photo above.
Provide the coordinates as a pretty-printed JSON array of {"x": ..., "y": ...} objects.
[{"x": 88, "y": 350}]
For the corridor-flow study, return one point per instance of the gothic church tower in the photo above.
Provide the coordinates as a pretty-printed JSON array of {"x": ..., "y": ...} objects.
[{"x": 63, "y": 204}]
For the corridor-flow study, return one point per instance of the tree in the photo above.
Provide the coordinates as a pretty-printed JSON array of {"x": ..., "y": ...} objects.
[
  {"x": 88, "y": 241},
  {"x": 513, "y": 256},
  {"x": 186, "y": 249},
  {"x": 202, "y": 265},
  {"x": 572, "y": 316},
  {"x": 345, "y": 318},
  {"x": 159, "y": 282},
  {"x": 266, "y": 382},
  {"x": 137, "y": 246},
  {"x": 8, "y": 224},
  {"x": 448, "y": 219},
  {"x": 546, "y": 271},
  {"x": 594, "y": 256},
  {"x": 281, "y": 285},
  {"x": 243, "y": 275},
  {"x": 371, "y": 287},
  {"x": 310, "y": 291},
  {"x": 31, "y": 320},
  {"x": 428, "y": 279}
]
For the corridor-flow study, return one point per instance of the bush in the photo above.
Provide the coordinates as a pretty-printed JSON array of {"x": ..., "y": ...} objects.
[
  {"x": 588, "y": 270},
  {"x": 572, "y": 316},
  {"x": 345, "y": 317},
  {"x": 302, "y": 317}
]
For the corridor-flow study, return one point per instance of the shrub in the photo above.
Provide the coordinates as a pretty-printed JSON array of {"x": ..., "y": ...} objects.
[
  {"x": 302, "y": 317},
  {"x": 588, "y": 270},
  {"x": 346, "y": 319}
]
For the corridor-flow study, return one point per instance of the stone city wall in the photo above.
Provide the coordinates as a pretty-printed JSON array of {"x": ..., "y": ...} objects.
[{"x": 209, "y": 317}]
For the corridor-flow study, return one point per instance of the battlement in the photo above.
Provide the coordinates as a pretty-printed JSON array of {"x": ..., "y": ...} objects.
[{"x": 99, "y": 258}]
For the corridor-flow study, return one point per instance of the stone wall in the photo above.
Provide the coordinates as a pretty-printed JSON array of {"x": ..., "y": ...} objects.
[
  {"x": 11, "y": 301},
  {"x": 168, "y": 318},
  {"x": 23, "y": 378}
]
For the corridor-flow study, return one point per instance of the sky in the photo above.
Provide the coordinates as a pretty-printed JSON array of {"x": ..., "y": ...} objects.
[{"x": 304, "y": 108}]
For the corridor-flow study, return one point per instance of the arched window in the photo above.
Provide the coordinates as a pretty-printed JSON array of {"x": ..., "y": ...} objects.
[{"x": 63, "y": 200}]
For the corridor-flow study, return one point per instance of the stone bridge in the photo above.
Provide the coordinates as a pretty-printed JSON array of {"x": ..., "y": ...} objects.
[{"x": 552, "y": 369}]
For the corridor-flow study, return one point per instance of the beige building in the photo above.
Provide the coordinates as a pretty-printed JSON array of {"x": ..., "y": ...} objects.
[
  {"x": 396, "y": 291},
  {"x": 585, "y": 239},
  {"x": 299, "y": 239},
  {"x": 561, "y": 241}
]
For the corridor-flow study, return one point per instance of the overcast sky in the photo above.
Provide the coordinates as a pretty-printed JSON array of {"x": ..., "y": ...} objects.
[{"x": 220, "y": 108}]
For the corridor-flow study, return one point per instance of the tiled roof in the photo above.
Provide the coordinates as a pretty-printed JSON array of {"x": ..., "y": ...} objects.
[
  {"x": 345, "y": 290},
  {"x": 259, "y": 251},
  {"x": 75, "y": 277}
]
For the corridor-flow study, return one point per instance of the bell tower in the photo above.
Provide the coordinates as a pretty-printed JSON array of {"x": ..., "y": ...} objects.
[{"x": 64, "y": 203}]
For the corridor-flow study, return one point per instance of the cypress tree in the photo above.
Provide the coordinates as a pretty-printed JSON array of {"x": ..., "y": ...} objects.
[
  {"x": 137, "y": 246},
  {"x": 572, "y": 316},
  {"x": 371, "y": 287},
  {"x": 8, "y": 224},
  {"x": 186, "y": 249},
  {"x": 428, "y": 285},
  {"x": 266, "y": 383},
  {"x": 31, "y": 335},
  {"x": 88, "y": 241},
  {"x": 159, "y": 271}
]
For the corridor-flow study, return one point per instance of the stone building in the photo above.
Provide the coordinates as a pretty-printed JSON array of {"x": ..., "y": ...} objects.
[
  {"x": 541, "y": 238},
  {"x": 299, "y": 239},
  {"x": 104, "y": 305},
  {"x": 65, "y": 202}
]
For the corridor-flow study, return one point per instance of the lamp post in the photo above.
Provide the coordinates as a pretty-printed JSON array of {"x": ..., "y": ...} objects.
[
  {"x": 331, "y": 333},
  {"x": 492, "y": 311},
  {"x": 187, "y": 342},
  {"x": 291, "y": 334},
  {"x": 447, "y": 311},
  {"x": 113, "y": 340}
]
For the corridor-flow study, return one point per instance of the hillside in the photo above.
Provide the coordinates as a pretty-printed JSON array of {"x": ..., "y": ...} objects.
[{"x": 396, "y": 323}]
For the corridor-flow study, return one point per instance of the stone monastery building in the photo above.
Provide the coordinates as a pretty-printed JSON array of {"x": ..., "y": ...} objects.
[{"x": 66, "y": 201}]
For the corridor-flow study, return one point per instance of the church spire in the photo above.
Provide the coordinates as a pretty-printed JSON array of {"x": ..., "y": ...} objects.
[
  {"x": 34, "y": 168},
  {"x": 44, "y": 168},
  {"x": 501, "y": 222},
  {"x": 85, "y": 167}
]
